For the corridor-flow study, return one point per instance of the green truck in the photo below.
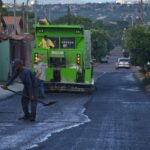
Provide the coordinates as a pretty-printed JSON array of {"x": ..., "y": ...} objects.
[{"x": 66, "y": 51}]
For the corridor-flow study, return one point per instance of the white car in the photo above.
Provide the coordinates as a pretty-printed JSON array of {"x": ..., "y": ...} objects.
[{"x": 123, "y": 63}]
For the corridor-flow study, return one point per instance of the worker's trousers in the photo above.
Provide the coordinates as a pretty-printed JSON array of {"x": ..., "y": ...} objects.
[
  {"x": 29, "y": 105},
  {"x": 41, "y": 88}
]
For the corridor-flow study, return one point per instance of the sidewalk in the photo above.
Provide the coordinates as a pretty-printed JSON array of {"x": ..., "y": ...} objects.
[
  {"x": 138, "y": 74},
  {"x": 140, "y": 77},
  {"x": 5, "y": 94}
]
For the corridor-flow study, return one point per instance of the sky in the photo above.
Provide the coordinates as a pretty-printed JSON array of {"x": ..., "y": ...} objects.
[{"x": 60, "y": 1}]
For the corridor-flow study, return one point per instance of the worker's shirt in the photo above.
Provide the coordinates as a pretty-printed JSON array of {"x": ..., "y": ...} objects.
[
  {"x": 27, "y": 78},
  {"x": 40, "y": 70}
]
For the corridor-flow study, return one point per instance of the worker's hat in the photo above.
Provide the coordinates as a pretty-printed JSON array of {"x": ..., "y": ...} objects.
[
  {"x": 43, "y": 21},
  {"x": 17, "y": 62}
]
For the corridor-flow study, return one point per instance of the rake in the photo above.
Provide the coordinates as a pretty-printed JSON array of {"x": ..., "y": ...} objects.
[{"x": 44, "y": 104}]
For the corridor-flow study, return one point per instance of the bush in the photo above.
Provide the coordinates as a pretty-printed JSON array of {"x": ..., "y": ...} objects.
[
  {"x": 146, "y": 81},
  {"x": 142, "y": 71}
]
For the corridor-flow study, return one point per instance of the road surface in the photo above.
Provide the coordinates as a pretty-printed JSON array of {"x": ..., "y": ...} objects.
[{"x": 114, "y": 117}]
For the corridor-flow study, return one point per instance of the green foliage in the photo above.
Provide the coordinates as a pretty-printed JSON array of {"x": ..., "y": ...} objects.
[
  {"x": 79, "y": 20},
  {"x": 100, "y": 43},
  {"x": 137, "y": 42},
  {"x": 114, "y": 28},
  {"x": 146, "y": 81}
]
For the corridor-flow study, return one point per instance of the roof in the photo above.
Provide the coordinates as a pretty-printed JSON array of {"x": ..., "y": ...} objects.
[
  {"x": 25, "y": 36},
  {"x": 3, "y": 36},
  {"x": 59, "y": 26},
  {"x": 10, "y": 19}
]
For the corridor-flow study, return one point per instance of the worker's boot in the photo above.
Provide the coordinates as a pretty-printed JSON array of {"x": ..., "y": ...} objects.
[
  {"x": 32, "y": 117},
  {"x": 25, "y": 117}
]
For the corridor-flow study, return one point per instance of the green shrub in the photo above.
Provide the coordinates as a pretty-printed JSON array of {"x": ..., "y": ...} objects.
[
  {"x": 142, "y": 71},
  {"x": 146, "y": 81}
]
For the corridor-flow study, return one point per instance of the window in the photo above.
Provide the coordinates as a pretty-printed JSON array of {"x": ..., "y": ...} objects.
[
  {"x": 67, "y": 43},
  {"x": 124, "y": 60}
]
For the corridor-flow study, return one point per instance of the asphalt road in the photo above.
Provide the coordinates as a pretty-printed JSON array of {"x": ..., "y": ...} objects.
[
  {"x": 67, "y": 113},
  {"x": 114, "y": 117},
  {"x": 119, "y": 118}
]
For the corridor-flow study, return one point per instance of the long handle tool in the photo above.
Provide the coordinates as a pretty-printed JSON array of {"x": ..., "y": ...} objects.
[{"x": 44, "y": 104}]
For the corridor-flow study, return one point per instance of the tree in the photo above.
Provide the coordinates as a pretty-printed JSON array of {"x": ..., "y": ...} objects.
[
  {"x": 137, "y": 42},
  {"x": 114, "y": 28},
  {"x": 79, "y": 20},
  {"x": 101, "y": 44}
]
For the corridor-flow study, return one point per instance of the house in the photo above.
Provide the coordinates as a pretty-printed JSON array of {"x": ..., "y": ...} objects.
[
  {"x": 13, "y": 45},
  {"x": 21, "y": 47},
  {"x": 8, "y": 24}
]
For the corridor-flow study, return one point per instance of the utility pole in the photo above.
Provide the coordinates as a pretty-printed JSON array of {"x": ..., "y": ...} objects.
[
  {"x": 49, "y": 14},
  {"x": 69, "y": 14},
  {"x": 141, "y": 10},
  {"x": 27, "y": 17},
  {"x": 14, "y": 16},
  {"x": 34, "y": 6},
  {"x": 139, "y": 18},
  {"x": 35, "y": 11},
  {"x": 1, "y": 5},
  {"x": 23, "y": 16}
]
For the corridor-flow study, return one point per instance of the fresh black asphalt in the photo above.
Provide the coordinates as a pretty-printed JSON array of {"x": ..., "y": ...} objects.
[{"x": 119, "y": 111}]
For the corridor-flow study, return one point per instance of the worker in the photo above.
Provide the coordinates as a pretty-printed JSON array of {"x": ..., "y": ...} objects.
[
  {"x": 43, "y": 21},
  {"x": 29, "y": 91},
  {"x": 46, "y": 43},
  {"x": 39, "y": 69}
]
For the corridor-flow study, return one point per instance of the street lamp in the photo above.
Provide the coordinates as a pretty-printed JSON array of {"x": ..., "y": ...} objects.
[
  {"x": 34, "y": 3},
  {"x": 14, "y": 16}
]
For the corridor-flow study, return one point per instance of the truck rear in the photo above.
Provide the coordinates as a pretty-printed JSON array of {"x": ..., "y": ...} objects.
[{"x": 66, "y": 52}]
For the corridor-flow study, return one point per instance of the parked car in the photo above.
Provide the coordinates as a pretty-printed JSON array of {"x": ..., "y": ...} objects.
[
  {"x": 104, "y": 59},
  {"x": 123, "y": 63}
]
